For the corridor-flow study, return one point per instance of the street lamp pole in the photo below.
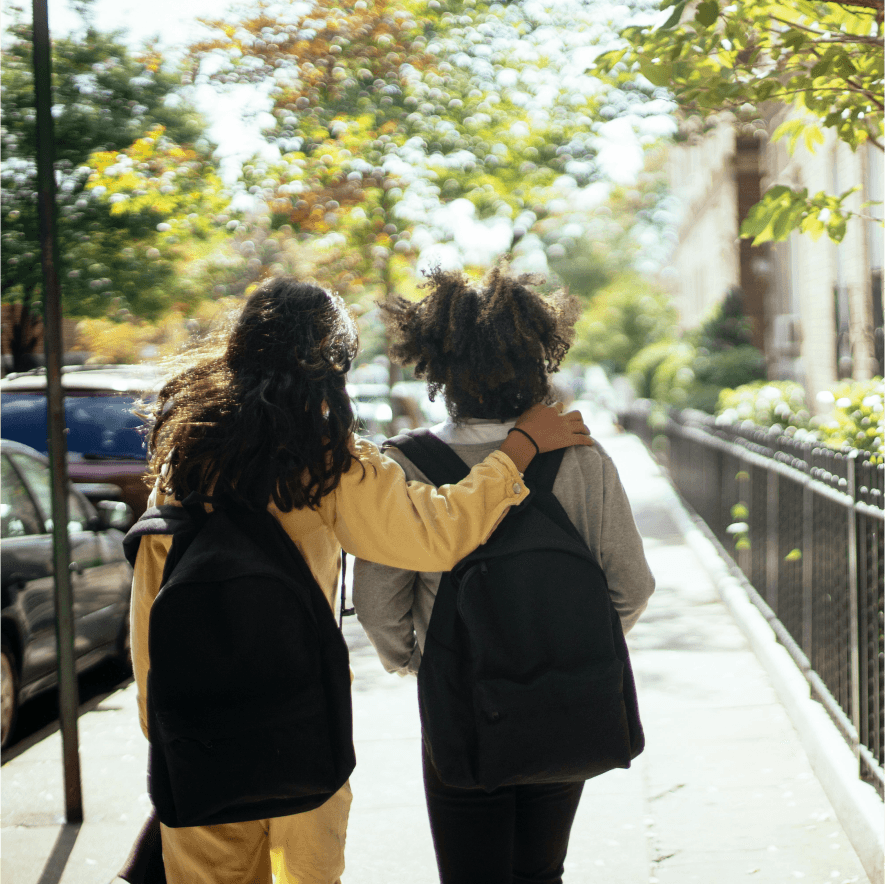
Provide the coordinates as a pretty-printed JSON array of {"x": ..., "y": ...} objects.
[{"x": 68, "y": 700}]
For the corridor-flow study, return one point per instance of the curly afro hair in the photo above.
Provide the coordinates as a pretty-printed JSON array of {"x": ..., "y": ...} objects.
[{"x": 490, "y": 350}]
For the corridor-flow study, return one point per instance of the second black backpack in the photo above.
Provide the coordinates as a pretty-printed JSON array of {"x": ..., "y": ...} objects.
[
  {"x": 525, "y": 676},
  {"x": 249, "y": 706}
]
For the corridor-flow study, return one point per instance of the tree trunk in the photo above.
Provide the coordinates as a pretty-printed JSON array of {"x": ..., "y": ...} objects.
[{"x": 26, "y": 335}]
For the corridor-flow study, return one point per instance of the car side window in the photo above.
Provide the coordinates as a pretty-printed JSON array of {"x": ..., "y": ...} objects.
[
  {"x": 37, "y": 476},
  {"x": 18, "y": 514}
]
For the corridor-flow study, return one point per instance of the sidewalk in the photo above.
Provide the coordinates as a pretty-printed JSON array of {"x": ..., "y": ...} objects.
[{"x": 723, "y": 793}]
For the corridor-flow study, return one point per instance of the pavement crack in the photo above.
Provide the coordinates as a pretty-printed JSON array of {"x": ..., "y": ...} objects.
[
  {"x": 669, "y": 791},
  {"x": 664, "y": 857}
]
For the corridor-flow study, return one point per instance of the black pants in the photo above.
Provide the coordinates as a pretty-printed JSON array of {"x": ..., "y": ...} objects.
[{"x": 514, "y": 835}]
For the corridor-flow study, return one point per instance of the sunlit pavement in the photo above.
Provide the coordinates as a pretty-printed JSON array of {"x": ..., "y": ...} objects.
[{"x": 723, "y": 793}]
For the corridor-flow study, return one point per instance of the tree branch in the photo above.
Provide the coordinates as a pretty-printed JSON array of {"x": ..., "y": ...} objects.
[
  {"x": 854, "y": 38},
  {"x": 871, "y": 41},
  {"x": 875, "y": 141},
  {"x": 856, "y": 87},
  {"x": 877, "y": 5}
]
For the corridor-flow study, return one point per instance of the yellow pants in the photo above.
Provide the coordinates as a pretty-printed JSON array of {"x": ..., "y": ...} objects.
[{"x": 306, "y": 848}]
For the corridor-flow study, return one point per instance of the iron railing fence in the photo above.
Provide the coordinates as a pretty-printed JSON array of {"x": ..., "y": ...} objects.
[{"x": 804, "y": 523}]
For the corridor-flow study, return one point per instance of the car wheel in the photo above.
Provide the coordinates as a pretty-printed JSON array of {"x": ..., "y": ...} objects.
[{"x": 8, "y": 695}]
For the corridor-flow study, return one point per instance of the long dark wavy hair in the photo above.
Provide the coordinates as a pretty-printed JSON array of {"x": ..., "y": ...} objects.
[
  {"x": 264, "y": 413},
  {"x": 490, "y": 349}
]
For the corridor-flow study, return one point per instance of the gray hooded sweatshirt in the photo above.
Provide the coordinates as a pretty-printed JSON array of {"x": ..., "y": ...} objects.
[{"x": 394, "y": 605}]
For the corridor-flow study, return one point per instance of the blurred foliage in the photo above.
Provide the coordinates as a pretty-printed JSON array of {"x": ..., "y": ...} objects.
[
  {"x": 691, "y": 372},
  {"x": 854, "y": 415},
  {"x": 134, "y": 340},
  {"x": 339, "y": 79},
  {"x": 387, "y": 110},
  {"x": 823, "y": 58},
  {"x": 727, "y": 326},
  {"x": 857, "y": 418},
  {"x": 623, "y": 318},
  {"x": 156, "y": 202},
  {"x": 588, "y": 248},
  {"x": 131, "y": 159},
  {"x": 642, "y": 367},
  {"x": 766, "y": 403}
]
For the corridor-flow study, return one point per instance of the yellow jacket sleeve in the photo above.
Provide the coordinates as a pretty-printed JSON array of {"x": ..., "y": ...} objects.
[
  {"x": 378, "y": 515},
  {"x": 145, "y": 587},
  {"x": 375, "y": 514}
]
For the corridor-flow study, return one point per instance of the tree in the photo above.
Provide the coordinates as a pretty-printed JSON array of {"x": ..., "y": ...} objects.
[
  {"x": 153, "y": 205},
  {"x": 824, "y": 58},
  {"x": 387, "y": 111},
  {"x": 106, "y": 101},
  {"x": 623, "y": 318},
  {"x": 340, "y": 95}
]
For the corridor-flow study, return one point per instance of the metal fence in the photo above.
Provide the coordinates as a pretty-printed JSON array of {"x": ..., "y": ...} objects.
[{"x": 804, "y": 524}]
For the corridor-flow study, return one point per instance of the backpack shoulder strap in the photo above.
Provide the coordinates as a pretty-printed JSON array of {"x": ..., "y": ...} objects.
[
  {"x": 541, "y": 472},
  {"x": 540, "y": 476},
  {"x": 431, "y": 455}
]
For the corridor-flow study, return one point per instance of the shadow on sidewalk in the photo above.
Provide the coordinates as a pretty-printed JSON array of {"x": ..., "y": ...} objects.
[{"x": 61, "y": 852}]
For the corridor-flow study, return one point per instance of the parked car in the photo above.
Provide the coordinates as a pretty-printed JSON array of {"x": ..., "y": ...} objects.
[
  {"x": 101, "y": 581},
  {"x": 104, "y": 438}
]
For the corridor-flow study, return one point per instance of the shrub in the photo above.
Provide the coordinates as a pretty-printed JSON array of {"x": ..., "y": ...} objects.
[
  {"x": 857, "y": 418},
  {"x": 690, "y": 373},
  {"x": 765, "y": 403},
  {"x": 642, "y": 367},
  {"x": 727, "y": 326},
  {"x": 622, "y": 319},
  {"x": 731, "y": 367}
]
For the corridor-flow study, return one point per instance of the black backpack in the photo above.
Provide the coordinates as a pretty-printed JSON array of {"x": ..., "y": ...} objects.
[
  {"x": 249, "y": 707},
  {"x": 525, "y": 676}
]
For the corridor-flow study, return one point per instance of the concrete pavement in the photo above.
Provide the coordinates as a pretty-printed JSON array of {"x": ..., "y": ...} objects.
[{"x": 723, "y": 793}]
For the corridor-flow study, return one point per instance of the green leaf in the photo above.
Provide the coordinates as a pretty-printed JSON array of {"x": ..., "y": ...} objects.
[
  {"x": 657, "y": 73},
  {"x": 794, "y": 555},
  {"x": 607, "y": 60},
  {"x": 812, "y": 136},
  {"x": 821, "y": 67},
  {"x": 836, "y": 228},
  {"x": 673, "y": 20},
  {"x": 707, "y": 13},
  {"x": 783, "y": 224},
  {"x": 845, "y": 66}
]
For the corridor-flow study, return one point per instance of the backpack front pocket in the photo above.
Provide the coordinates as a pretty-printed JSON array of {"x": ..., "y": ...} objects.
[{"x": 558, "y": 727}]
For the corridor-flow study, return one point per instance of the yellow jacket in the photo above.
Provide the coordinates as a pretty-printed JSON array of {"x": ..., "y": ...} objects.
[{"x": 374, "y": 514}]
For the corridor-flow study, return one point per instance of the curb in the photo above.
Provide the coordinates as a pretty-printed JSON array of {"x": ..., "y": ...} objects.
[{"x": 857, "y": 804}]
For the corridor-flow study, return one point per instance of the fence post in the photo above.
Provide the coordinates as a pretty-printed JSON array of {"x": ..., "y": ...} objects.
[
  {"x": 771, "y": 559},
  {"x": 853, "y": 607},
  {"x": 807, "y": 567}
]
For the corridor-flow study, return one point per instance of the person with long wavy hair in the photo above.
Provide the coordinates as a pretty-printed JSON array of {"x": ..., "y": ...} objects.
[
  {"x": 491, "y": 350},
  {"x": 262, "y": 416}
]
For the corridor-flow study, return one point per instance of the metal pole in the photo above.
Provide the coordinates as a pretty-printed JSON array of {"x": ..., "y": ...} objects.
[{"x": 68, "y": 700}]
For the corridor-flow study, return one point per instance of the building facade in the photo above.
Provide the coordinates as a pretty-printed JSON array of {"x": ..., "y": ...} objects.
[{"x": 816, "y": 306}]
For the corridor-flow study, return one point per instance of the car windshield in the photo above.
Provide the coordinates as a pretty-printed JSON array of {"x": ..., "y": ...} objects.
[{"x": 98, "y": 425}]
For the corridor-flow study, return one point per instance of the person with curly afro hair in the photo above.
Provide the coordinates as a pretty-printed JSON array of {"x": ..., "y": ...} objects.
[
  {"x": 260, "y": 414},
  {"x": 491, "y": 351}
]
